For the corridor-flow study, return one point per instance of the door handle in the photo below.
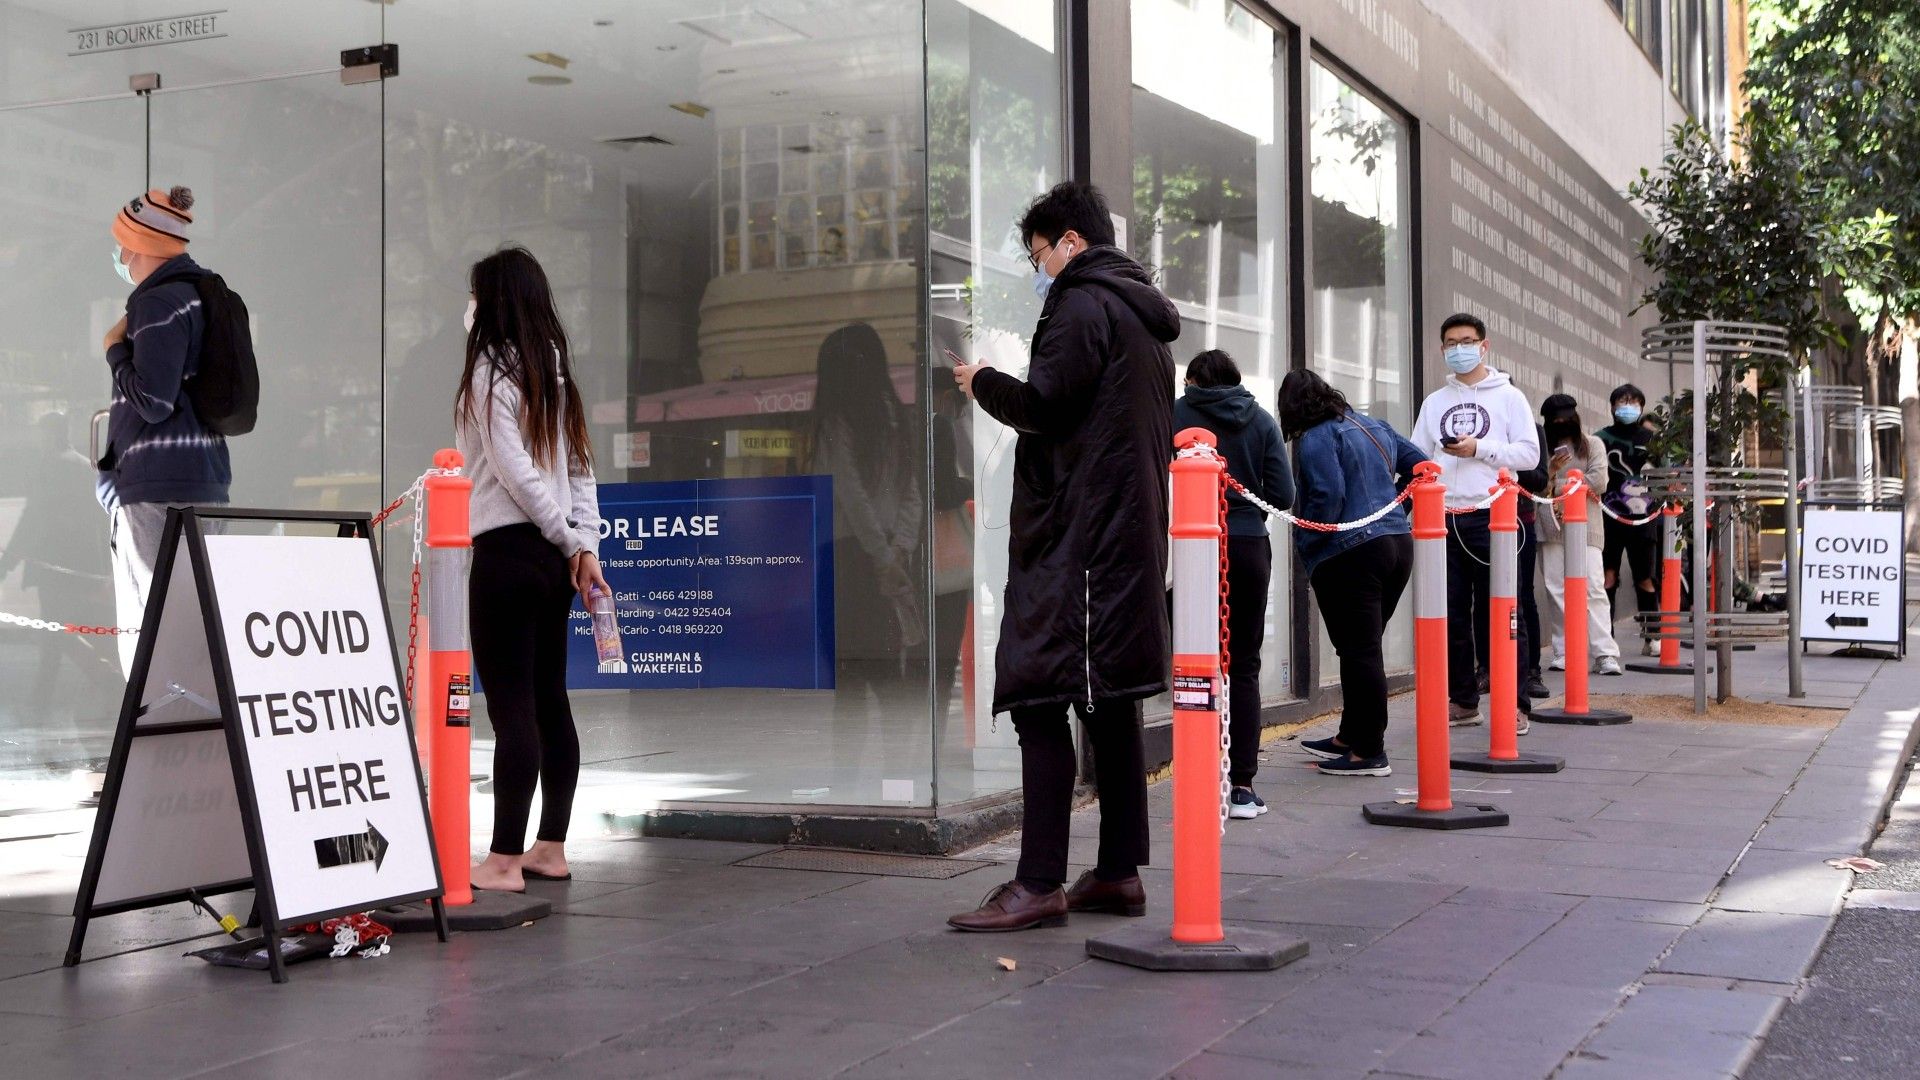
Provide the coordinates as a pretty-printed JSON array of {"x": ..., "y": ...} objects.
[{"x": 93, "y": 436}]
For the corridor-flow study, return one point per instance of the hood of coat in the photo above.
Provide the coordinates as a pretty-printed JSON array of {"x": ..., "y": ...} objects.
[
  {"x": 1231, "y": 408},
  {"x": 1109, "y": 266}
]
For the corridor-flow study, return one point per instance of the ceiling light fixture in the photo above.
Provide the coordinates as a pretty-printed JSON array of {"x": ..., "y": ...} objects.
[
  {"x": 691, "y": 108},
  {"x": 549, "y": 80},
  {"x": 603, "y": 22},
  {"x": 551, "y": 59}
]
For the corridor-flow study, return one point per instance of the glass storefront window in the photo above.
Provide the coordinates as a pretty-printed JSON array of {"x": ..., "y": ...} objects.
[
  {"x": 1362, "y": 272},
  {"x": 284, "y": 164},
  {"x": 728, "y": 204},
  {"x": 993, "y": 143},
  {"x": 1209, "y": 199}
]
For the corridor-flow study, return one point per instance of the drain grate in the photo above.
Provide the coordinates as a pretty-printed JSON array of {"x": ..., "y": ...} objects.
[{"x": 874, "y": 863}]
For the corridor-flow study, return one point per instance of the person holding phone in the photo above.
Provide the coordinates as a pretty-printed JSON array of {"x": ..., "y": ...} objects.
[
  {"x": 1570, "y": 447},
  {"x": 535, "y": 518},
  {"x": 1474, "y": 425}
]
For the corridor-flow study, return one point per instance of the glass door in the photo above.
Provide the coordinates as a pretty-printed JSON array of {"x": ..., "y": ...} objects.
[{"x": 285, "y": 165}]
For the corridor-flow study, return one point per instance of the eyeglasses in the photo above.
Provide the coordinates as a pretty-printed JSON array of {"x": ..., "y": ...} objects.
[
  {"x": 1035, "y": 260},
  {"x": 1462, "y": 341}
]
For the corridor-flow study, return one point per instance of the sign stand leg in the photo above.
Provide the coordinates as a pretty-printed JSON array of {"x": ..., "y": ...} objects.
[
  {"x": 440, "y": 917},
  {"x": 276, "y": 966}
]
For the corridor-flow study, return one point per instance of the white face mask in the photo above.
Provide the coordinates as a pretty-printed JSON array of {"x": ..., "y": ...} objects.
[{"x": 472, "y": 306}]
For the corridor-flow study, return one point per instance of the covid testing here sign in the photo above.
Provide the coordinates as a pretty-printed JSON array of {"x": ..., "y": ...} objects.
[{"x": 1852, "y": 576}]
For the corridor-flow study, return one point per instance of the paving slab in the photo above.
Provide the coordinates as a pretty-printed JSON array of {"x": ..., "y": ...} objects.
[
  {"x": 1789, "y": 882},
  {"x": 1765, "y": 946},
  {"x": 1664, "y": 1030}
]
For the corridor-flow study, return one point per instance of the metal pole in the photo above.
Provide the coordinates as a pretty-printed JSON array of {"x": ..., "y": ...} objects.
[
  {"x": 1796, "y": 687},
  {"x": 1700, "y": 553}
]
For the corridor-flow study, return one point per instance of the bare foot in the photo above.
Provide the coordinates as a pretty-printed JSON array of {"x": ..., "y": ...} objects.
[
  {"x": 499, "y": 873},
  {"x": 546, "y": 857}
]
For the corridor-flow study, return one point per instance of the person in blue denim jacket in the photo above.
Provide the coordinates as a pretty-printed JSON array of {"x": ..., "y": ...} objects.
[{"x": 1350, "y": 465}]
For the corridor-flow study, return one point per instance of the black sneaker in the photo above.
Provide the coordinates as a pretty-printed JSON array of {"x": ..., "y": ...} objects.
[
  {"x": 1245, "y": 804},
  {"x": 1480, "y": 680},
  {"x": 1537, "y": 688},
  {"x": 1328, "y": 749},
  {"x": 1347, "y": 766}
]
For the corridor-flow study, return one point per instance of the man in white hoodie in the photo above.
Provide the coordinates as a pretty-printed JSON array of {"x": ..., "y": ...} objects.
[{"x": 1475, "y": 425}]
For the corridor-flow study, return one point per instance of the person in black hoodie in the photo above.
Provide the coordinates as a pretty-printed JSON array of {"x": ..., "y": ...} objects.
[
  {"x": 1625, "y": 441},
  {"x": 1085, "y": 619},
  {"x": 1249, "y": 438}
]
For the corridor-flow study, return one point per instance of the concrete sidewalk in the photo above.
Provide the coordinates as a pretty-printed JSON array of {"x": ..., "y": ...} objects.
[{"x": 1645, "y": 914}]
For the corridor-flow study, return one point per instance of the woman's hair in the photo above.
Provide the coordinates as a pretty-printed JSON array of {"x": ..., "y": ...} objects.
[
  {"x": 1307, "y": 400},
  {"x": 854, "y": 387},
  {"x": 516, "y": 330},
  {"x": 1213, "y": 368}
]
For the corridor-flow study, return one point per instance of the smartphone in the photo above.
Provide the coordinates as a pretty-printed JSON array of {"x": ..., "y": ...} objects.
[
  {"x": 955, "y": 357},
  {"x": 1448, "y": 440}
]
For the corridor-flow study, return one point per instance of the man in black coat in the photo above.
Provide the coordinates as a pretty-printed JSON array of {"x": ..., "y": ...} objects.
[{"x": 1086, "y": 620}]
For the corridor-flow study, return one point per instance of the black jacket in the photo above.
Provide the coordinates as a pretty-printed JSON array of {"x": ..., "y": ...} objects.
[
  {"x": 1249, "y": 438},
  {"x": 1086, "y": 615}
]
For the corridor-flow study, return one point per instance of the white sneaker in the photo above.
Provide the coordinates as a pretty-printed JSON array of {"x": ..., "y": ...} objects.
[
  {"x": 1608, "y": 665},
  {"x": 1558, "y": 663},
  {"x": 1522, "y": 723},
  {"x": 1648, "y": 647}
]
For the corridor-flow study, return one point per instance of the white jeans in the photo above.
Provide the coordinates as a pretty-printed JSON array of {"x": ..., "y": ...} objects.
[{"x": 1599, "y": 631}]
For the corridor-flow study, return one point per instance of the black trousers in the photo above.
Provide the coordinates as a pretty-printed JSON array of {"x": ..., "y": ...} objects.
[
  {"x": 1358, "y": 591},
  {"x": 519, "y": 594},
  {"x": 1468, "y": 581},
  {"x": 1529, "y": 605},
  {"x": 1640, "y": 544},
  {"x": 1249, "y": 573},
  {"x": 1047, "y": 771}
]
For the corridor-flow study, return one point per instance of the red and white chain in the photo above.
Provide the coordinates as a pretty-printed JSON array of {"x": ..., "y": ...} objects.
[
  {"x": 1225, "y": 712},
  {"x": 28, "y": 623},
  {"x": 417, "y": 492}
]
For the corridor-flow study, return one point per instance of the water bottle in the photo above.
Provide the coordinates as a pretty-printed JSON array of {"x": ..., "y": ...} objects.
[{"x": 606, "y": 631}]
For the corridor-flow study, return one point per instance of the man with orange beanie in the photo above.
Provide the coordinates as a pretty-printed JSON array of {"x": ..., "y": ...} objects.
[{"x": 158, "y": 453}]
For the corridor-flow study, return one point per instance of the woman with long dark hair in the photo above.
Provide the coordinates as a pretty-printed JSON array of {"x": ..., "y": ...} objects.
[
  {"x": 861, "y": 437},
  {"x": 535, "y": 518},
  {"x": 1350, "y": 465}
]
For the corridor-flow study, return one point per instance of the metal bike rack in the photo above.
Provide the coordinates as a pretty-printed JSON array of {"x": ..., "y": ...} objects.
[{"x": 1702, "y": 344}]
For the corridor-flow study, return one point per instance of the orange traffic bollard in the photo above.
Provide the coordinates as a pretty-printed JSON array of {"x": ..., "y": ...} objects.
[
  {"x": 1576, "y": 710},
  {"x": 1433, "y": 808},
  {"x": 447, "y": 695},
  {"x": 1670, "y": 572},
  {"x": 1197, "y": 940},
  {"x": 1503, "y": 636}
]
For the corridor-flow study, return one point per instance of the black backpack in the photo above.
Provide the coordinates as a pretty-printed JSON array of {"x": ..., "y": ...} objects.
[{"x": 225, "y": 389}]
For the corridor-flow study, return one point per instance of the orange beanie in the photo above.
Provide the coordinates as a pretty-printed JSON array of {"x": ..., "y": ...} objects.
[{"x": 156, "y": 223}]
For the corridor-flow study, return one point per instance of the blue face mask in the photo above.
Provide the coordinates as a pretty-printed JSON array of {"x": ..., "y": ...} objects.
[
  {"x": 1626, "y": 414},
  {"x": 1043, "y": 281},
  {"x": 125, "y": 271},
  {"x": 1462, "y": 358}
]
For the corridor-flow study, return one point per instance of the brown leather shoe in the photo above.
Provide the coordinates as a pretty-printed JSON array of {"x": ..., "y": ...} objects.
[
  {"x": 1014, "y": 907},
  {"x": 1124, "y": 897}
]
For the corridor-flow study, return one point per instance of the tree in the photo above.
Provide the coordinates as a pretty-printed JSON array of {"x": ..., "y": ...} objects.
[{"x": 1836, "y": 83}]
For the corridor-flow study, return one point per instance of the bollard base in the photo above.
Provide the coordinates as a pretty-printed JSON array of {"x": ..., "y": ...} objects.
[
  {"x": 1149, "y": 947},
  {"x": 1523, "y": 763},
  {"x": 1653, "y": 668},
  {"x": 1590, "y": 718},
  {"x": 489, "y": 911},
  {"x": 1461, "y": 816}
]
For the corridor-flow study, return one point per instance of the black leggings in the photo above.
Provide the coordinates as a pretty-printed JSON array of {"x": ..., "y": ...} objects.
[
  {"x": 519, "y": 594},
  {"x": 1358, "y": 591},
  {"x": 1249, "y": 573}
]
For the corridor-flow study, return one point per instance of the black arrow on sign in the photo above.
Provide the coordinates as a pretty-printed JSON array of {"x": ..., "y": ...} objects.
[
  {"x": 368, "y": 846},
  {"x": 1834, "y": 622}
]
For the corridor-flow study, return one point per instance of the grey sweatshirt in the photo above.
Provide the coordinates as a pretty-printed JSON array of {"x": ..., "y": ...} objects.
[{"x": 509, "y": 487}]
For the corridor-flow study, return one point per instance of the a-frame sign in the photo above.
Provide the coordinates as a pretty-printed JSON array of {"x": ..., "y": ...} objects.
[{"x": 265, "y": 740}]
